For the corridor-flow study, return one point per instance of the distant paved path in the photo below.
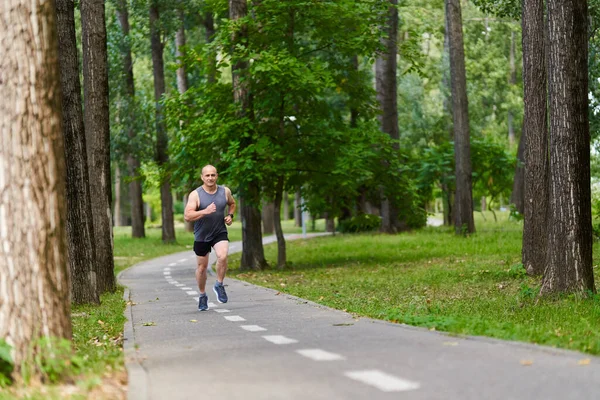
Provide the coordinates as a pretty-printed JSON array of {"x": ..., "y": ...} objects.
[{"x": 267, "y": 345}]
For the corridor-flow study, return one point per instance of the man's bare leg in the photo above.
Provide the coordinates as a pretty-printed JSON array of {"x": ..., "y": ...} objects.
[
  {"x": 221, "y": 250},
  {"x": 201, "y": 272}
]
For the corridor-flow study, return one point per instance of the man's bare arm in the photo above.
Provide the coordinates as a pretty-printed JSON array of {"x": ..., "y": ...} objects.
[{"x": 191, "y": 212}]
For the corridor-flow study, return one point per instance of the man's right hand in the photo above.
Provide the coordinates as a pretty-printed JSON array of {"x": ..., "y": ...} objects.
[{"x": 210, "y": 209}]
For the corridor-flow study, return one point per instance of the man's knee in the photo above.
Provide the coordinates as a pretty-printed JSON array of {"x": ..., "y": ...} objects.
[{"x": 222, "y": 258}]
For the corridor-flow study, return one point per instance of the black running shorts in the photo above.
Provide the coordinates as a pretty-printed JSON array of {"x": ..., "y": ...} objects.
[{"x": 203, "y": 248}]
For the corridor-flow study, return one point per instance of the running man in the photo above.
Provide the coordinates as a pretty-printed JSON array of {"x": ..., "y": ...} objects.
[{"x": 206, "y": 207}]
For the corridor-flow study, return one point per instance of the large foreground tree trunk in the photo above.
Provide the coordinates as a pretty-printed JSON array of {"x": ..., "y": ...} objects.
[
  {"x": 133, "y": 163},
  {"x": 535, "y": 131},
  {"x": 463, "y": 200},
  {"x": 34, "y": 276},
  {"x": 162, "y": 140},
  {"x": 80, "y": 219},
  {"x": 96, "y": 115},
  {"x": 569, "y": 265},
  {"x": 252, "y": 250},
  {"x": 387, "y": 96}
]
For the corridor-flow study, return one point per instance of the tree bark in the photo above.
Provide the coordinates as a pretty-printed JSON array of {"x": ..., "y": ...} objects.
[
  {"x": 96, "y": 120},
  {"x": 517, "y": 197},
  {"x": 80, "y": 228},
  {"x": 387, "y": 96},
  {"x": 298, "y": 209},
  {"x": 535, "y": 131},
  {"x": 252, "y": 250},
  {"x": 117, "y": 206},
  {"x": 133, "y": 163},
  {"x": 569, "y": 263},
  {"x": 162, "y": 140},
  {"x": 463, "y": 200},
  {"x": 267, "y": 218},
  {"x": 34, "y": 276},
  {"x": 281, "y": 250},
  {"x": 447, "y": 190}
]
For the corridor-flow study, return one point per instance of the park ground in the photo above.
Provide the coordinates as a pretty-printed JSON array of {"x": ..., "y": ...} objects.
[{"x": 430, "y": 278}]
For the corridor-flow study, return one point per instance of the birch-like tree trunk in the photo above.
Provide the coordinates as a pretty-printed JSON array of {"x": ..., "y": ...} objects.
[
  {"x": 34, "y": 276},
  {"x": 535, "y": 131},
  {"x": 80, "y": 219},
  {"x": 463, "y": 199},
  {"x": 96, "y": 119},
  {"x": 162, "y": 140},
  {"x": 569, "y": 261},
  {"x": 133, "y": 163}
]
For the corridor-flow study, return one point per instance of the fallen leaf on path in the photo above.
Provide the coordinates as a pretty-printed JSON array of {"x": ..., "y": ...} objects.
[
  {"x": 149, "y": 324},
  {"x": 585, "y": 361},
  {"x": 526, "y": 362},
  {"x": 450, "y": 343},
  {"x": 193, "y": 320},
  {"x": 343, "y": 324},
  {"x": 101, "y": 322},
  {"x": 277, "y": 294}
]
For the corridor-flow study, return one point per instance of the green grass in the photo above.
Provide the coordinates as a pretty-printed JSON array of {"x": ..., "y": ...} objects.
[{"x": 434, "y": 279}]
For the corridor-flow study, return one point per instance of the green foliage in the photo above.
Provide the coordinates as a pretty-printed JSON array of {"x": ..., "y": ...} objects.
[
  {"x": 360, "y": 223},
  {"x": 493, "y": 169},
  {"x": 501, "y": 8},
  {"x": 53, "y": 359},
  {"x": 6, "y": 363}
]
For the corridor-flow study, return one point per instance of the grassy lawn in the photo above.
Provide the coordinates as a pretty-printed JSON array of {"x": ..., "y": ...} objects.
[{"x": 431, "y": 278}]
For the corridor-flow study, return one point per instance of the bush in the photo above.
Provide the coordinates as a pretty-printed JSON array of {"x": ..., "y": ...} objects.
[
  {"x": 6, "y": 364},
  {"x": 360, "y": 223}
]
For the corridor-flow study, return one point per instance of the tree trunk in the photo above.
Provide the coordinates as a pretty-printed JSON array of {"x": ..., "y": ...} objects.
[
  {"x": 34, "y": 299},
  {"x": 281, "y": 251},
  {"x": 298, "y": 209},
  {"x": 463, "y": 200},
  {"x": 96, "y": 121},
  {"x": 117, "y": 210},
  {"x": 517, "y": 196},
  {"x": 387, "y": 96},
  {"x": 535, "y": 130},
  {"x": 569, "y": 263},
  {"x": 133, "y": 163},
  {"x": 162, "y": 140},
  {"x": 447, "y": 190},
  {"x": 80, "y": 228},
  {"x": 252, "y": 250},
  {"x": 513, "y": 82},
  {"x": 267, "y": 218},
  {"x": 182, "y": 82}
]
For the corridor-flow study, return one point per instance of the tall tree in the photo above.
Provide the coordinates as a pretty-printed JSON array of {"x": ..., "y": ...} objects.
[
  {"x": 535, "y": 132},
  {"x": 162, "y": 140},
  {"x": 252, "y": 253},
  {"x": 133, "y": 162},
  {"x": 34, "y": 300},
  {"x": 569, "y": 261},
  {"x": 517, "y": 197},
  {"x": 97, "y": 130},
  {"x": 387, "y": 96},
  {"x": 463, "y": 201},
  {"x": 80, "y": 219}
]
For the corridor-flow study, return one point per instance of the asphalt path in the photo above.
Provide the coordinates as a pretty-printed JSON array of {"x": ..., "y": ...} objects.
[{"x": 264, "y": 344}]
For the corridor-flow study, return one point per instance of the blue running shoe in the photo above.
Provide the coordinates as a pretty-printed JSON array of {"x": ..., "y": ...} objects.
[
  {"x": 219, "y": 290},
  {"x": 203, "y": 303}
]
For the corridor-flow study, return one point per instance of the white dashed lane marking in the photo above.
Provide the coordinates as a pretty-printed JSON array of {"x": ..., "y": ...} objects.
[
  {"x": 172, "y": 264},
  {"x": 252, "y": 328},
  {"x": 211, "y": 304},
  {"x": 166, "y": 269},
  {"x": 179, "y": 285},
  {"x": 191, "y": 292},
  {"x": 182, "y": 260},
  {"x": 382, "y": 381},
  {"x": 320, "y": 355},
  {"x": 166, "y": 273},
  {"x": 185, "y": 288},
  {"x": 222, "y": 310},
  {"x": 278, "y": 339},
  {"x": 234, "y": 318}
]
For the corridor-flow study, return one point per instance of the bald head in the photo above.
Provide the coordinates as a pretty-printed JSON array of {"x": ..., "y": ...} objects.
[{"x": 208, "y": 169}]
